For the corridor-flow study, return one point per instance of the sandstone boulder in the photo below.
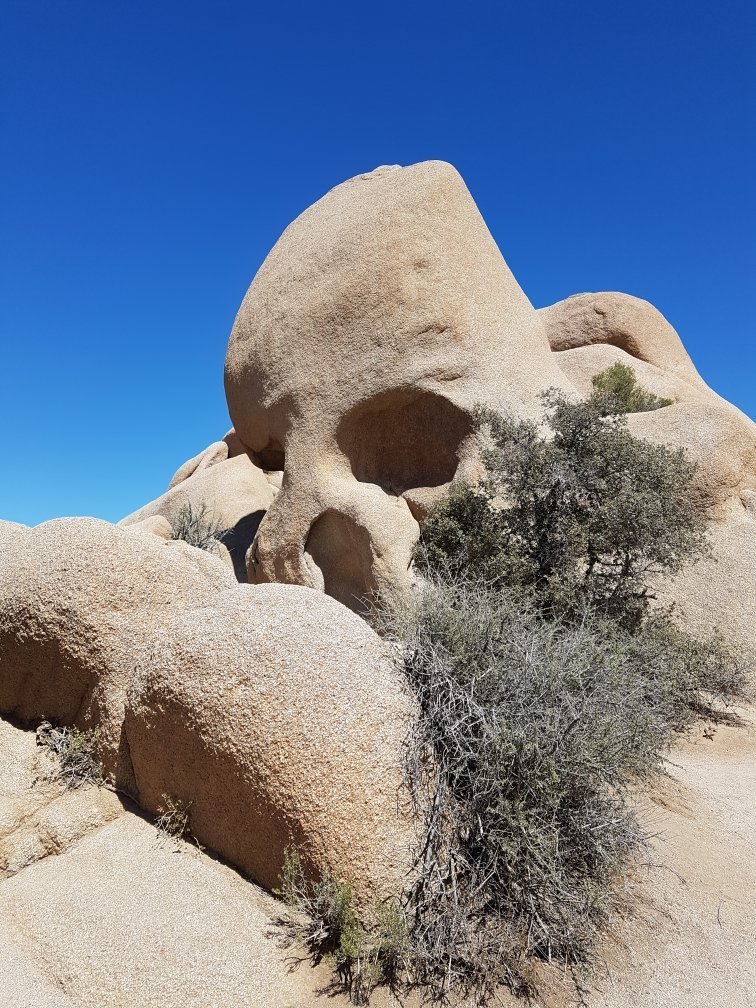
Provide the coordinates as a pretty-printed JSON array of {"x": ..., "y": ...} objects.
[
  {"x": 233, "y": 493},
  {"x": 81, "y": 603},
  {"x": 273, "y": 713},
  {"x": 285, "y": 727},
  {"x": 383, "y": 314}
]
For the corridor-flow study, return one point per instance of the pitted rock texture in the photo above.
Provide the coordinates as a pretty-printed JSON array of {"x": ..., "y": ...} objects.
[
  {"x": 381, "y": 317},
  {"x": 274, "y": 713},
  {"x": 81, "y": 604},
  {"x": 288, "y": 717}
]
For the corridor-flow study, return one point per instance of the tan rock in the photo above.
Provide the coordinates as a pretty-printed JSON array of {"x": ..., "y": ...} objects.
[
  {"x": 124, "y": 920},
  {"x": 623, "y": 321},
  {"x": 39, "y": 816},
  {"x": 81, "y": 604},
  {"x": 154, "y": 525},
  {"x": 720, "y": 592},
  {"x": 284, "y": 727},
  {"x": 214, "y": 453},
  {"x": 273, "y": 710},
  {"x": 383, "y": 314},
  {"x": 235, "y": 495}
]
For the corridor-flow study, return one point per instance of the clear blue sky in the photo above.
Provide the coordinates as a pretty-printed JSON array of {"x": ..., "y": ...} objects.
[{"x": 153, "y": 152}]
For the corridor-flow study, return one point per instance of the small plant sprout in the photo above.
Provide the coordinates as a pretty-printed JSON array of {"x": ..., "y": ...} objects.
[{"x": 327, "y": 922}]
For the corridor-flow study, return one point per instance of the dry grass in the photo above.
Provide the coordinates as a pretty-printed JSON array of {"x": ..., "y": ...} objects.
[{"x": 76, "y": 754}]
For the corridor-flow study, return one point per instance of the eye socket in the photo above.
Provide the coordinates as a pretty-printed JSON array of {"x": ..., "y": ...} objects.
[
  {"x": 271, "y": 458},
  {"x": 340, "y": 551},
  {"x": 404, "y": 439}
]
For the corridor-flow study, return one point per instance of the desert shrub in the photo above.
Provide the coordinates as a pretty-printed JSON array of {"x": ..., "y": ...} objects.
[
  {"x": 548, "y": 691},
  {"x": 587, "y": 515},
  {"x": 533, "y": 736},
  {"x": 76, "y": 754},
  {"x": 328, "y": 924},
  {"x": 616, "y": 390},
  {"x": 196, "y": 527}
]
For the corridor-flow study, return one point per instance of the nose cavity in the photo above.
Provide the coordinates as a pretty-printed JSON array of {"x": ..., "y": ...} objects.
[
  {"x": 339, "y": 555},
  {"x": 404, "y": 439}
]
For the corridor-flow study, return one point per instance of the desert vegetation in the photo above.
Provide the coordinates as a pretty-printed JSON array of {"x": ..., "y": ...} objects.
[
  {"x": 550, "y": 688},
  {"x": 75, "y": 754},
  {"x": 617, "y": 390},
  {"x": 196, "y": 527}
]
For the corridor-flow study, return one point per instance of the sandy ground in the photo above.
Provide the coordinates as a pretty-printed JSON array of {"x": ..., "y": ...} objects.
[{"x": 103, "y": 914}]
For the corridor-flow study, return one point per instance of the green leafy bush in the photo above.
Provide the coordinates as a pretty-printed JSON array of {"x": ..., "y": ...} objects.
[
  {"x": 587, "y": 516},
  {"x": 616, "y": 390}
]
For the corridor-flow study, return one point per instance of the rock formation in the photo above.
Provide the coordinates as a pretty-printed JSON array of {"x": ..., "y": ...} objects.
[
  {"x": 273, "y": 712},
  {"x": 384, "y": 313},
  {"x": 382, "y": 316}
]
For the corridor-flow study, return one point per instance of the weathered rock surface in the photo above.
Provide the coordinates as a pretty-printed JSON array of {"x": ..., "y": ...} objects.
[
  {"x": 591, "y": 332},
  {"x": 719, "y": 592},
  {"x": 622, "y": 321},
  {"x": 233, "y": 493},
  {"x": 214, "y": 453},
  {"x": 383, "y": 314},
  {"x": 39, "y": 816},
  {"x": 285, "y": 727},
  {"x": 123, "y": 917},
  {"x": 273, "y": 712},
  {"x": 81, "y": 605}
]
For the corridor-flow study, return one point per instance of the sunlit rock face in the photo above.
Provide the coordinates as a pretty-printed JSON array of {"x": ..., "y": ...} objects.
[{"x": 381, "y": 317}]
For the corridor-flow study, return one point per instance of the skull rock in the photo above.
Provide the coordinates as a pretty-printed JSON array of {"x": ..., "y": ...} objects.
[{"x": 381, "y": 317}]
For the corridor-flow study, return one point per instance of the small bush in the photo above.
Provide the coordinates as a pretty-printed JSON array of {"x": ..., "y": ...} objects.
[
  {"x": 364, "y": 955},
  {"x": 616, "y": 390},
  {"x": 587, "y": 517},
  {"x": 172, "y": 822},
  {"x": 76, "y": 751},
  {"x": 194, "y": 526}
]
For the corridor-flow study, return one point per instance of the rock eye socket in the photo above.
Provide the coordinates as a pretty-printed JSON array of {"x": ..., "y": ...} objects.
[{"x": 404, "y": 439}]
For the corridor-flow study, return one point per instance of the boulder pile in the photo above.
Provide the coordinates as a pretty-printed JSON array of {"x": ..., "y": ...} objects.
[{"x": 382, "y": 317}]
